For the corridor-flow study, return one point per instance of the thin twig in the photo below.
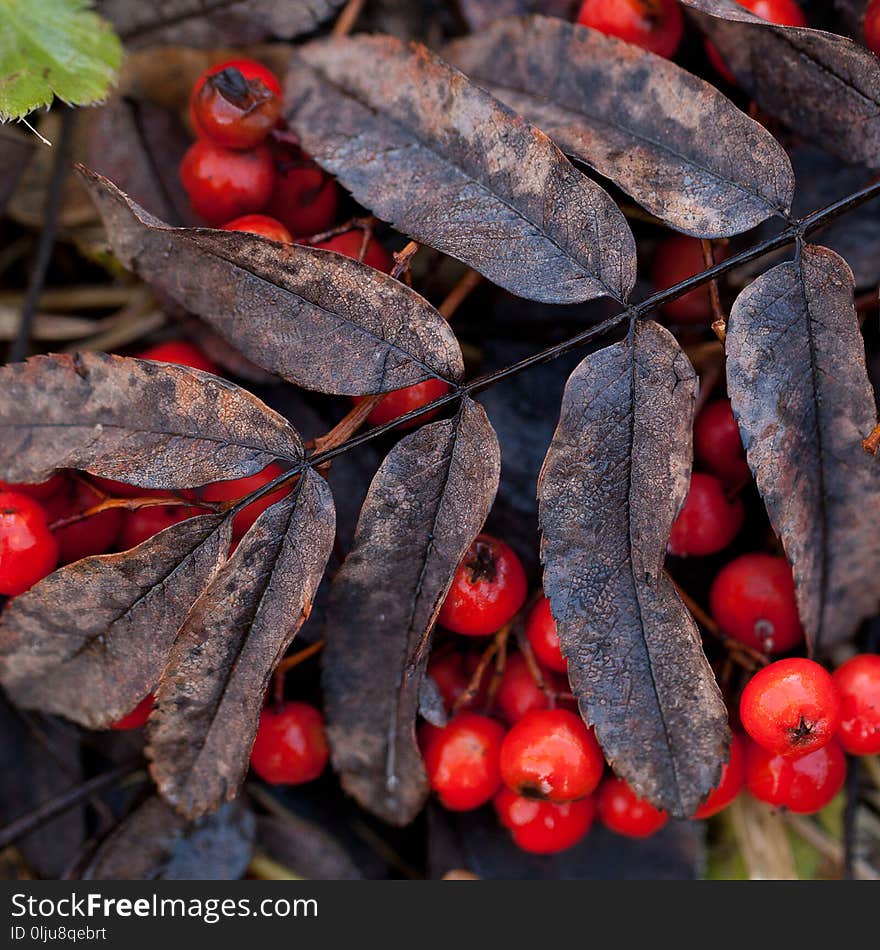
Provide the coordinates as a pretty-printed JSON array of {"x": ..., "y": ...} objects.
[
  {"x": 403, "y": 259},
  {"x": 459, "y": 293},
  {"x": 719, "y": 321},
  {"x": 349, "y": 424},
  {"x": 872, "y": 443},
  {"x": 286, "y": 665},
  {"x": 347, "y": 19}
]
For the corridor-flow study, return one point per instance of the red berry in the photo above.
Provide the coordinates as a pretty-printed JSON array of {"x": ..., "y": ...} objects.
[
  {"x": 182, "y": 353},
  {"x": 655, "y": 25},
  {"x": 142, "y": 523},
  {"x": 858, "y": 684},
  {"x": 708, "y": 520},
  {"x": 488, "y": 589},
  {"x": 791, "y": 707},
  {"x": 462, "y": 760},
  {"x": 675, "y": 259},
  {"x": 238, "y": 488},
  {"x": 223, "y": 184},
  {"x": 518, "y": 693},
  {"x": 452, "y": 672},
  {"x": 38, "y": 490},
  {"x": 717, "y": 443},
  {"x": 84, "y": 536},
  {"x": 542, "y": 827},
  {"x": 783, "y": 12},
  {"x": 621, "y": 810},
  {"x": 803, "y": 784},
  {"x": 733, "y": 778},
  {"x": 351, "y": 244},
  {"x": 249, "y": 69},
  {"x": 541, "y": 633},
  {"x": 550, "y": 754},
  {"x": 304, "y": 198},
  {"x": 290, "y": 747},
  {"x": 399, "y": 402},
  {"x": 260, "y": 224},
  {"x": 872, "y": 27},
  {"x": 752, "y": 600},
  {"x": 110, "y": 486},
  {"x": 233, "y": 111},
  {"x": 28, "y": 551},
  {"x": 137, "y": 718}
]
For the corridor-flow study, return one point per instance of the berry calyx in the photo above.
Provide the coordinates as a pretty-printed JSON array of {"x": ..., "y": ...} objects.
[
  {"x": 248, "y": 68},
  {"x": 622, "y": 811},
  {"x": 462, "y": 760},
  {"x": 238, "y": 488},
  {"x": 791, "y": 707},
  {"x": 399, "y": 402},
  {"x": 223, "y": 184},
  {"x": 351, "y": 244},
  {"x": 550, "y": 754},
  {"x": 487, "y": 590},
  {"x": 28, "y": 551},
  {"x": 542, "y": 637},
  {"x": 181, "y": 352},
  {"x": 708, "y": 521},
  {"x": 752, "y": 600},
  {"x": 141, "y": 524},
  {"x": 871, "y": 27},
  {"x": 733, "y": 778},
  {"x": 655, "y": 25},
  {"x": 804, "y": 784},
  {"x": 234, "y": 111},
  {"x": 858, "y": 684},
  {"x": 137, "y": 718},
  {"x": 675, "y": 259},
  {"x": 542, "y": 827},
  {"x": 262, "y": 225},
  {"x": 518, "y": 694},
  {"x": 717, "y": 443},
  {"x": 290, "y": 747}
]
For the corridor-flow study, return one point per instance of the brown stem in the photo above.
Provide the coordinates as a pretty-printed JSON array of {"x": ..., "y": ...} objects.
[
  {"x": 459, "y": 293},
  {"x": 525, "y": 648},
  {"x": 133, "y": 504},
  {"x": 473, "y": 686},
  {"x": 291, "y": 662},
  {"x": 403, "y": 259},
  {"x": 347, "y": 19},
  {"x": 872, "y": 443},
  {"x": 365, "y": 224},
  {"x": 501, "y": 639},
  {"x": 348, "y": 425},
  {"x": 719, "y": 322}
]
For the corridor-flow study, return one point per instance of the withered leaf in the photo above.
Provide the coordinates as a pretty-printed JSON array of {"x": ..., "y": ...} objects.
[
  {"x": 826, "y": 87},
  {"x": 425, "y": 505},
  {"x": 91, "y": 640},
  {"x": 421, "y": 146},
  {"x": 315, "y": 318},
  {"x": 155, "y": 844},
  {"x": 668, "y": 138},
  {"x": 306, "y": 849},
  {"x": 211, "y": 693},
  {"x": 800, "y": 391},
  {"x": 156, "y": 425},
  {"x": 615, "y": 476}
]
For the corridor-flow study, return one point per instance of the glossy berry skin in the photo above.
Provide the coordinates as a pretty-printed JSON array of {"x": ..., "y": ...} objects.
[
  {"x": 791, "y": 707},
  {"x": 804, "y": 784},
  {"x": 675, "y": 259},
  {"x": 541, "y": 634},
  {"x": 871, "y": 27},
  {"x": 399, "y": 402},
  {"x": 37, "y": 490},
  {"x": 622, "y": 811},
  {"x": 448, "y": 673},
  {"x": 551, "y": 755},
  {"x": 708, "y": 521},
  {"x": 262, "y": 225},
  {"x": 518, "y": 694},
  {"x": 86, "y": 536},
  {"x": 752, "y": 599},
  {"x": 180, "y": 352},
  {"x": 249, "y": 69},
  {"x": 858, "y": 684},
  {"x": 28, "y": 551},
  {"x": 717, "y": 444},
  {"x": 462, "y": 760},
  {"x": 733, "y": 778},
  {"x": 542, "y": 827},
  {"x": 488, "y": 589},
  {"x": 223, "y": 184},
  {"x": 233, "y": 111},
  {"x": 137, "y": 718},
  {"x": 655, "y": 25},
  {"x": 141, "y": 524},
  {"x": 290, "y": 747},
  {"x": 350, "y": 244},
  {"x": 782, "y": 12},
  {"x": 305, "y": 198},
  {"x": 238, "y": 488}
]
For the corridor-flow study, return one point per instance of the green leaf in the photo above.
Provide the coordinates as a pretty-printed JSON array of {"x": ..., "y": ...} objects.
[{"x": 53, "y": 48}]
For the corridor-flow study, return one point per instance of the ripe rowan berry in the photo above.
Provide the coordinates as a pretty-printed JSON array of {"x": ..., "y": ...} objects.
[
  {"x": 708, "y": 521},
  {"x": 83, "y": 537},
  {"x": 791, "y": 707},
  {"x": 518, "y": 693},
  {"x": 871, "y": 27},
  {"x": 238, "y": 488},
  {"x": 655, "y": 25},
  {"x": 352, "y": 242},
  {"x": 550, "y": 754},
  {"x": 462, "y": 760},
  {"x": 452, "y": 672},
  {"x": 752, "y": 600},
  {"x": 305, "y": 198},
  {"x": 489, "y": 587},
  {"x": 28, "y": 551},
  {"x": 262, "y": 225},
  {"x": 249, "y": 69},
  {"x": 141, "y": 524},
  {"x": 38, "y": 490},
  {"x": 542, "y": 827},
  {"x": 733, "y": 778},
  {"x": 675, "y": 259},
  {"x": 234, "y": 111},
  {"x": 717, "y": 443},
  {"x": 804, "y": 784},
  {"x": 622, "y": 811},
  {"x": 541, "y": 634},
  {"x": 290, "y": 747},
  {"x": 223, "y": 184},
  {"x": 137, "y": 718},
  {"x": 399, "y": 402},
  {"x": 181, "y": 352},
  {"x": 858, "y": 684}
]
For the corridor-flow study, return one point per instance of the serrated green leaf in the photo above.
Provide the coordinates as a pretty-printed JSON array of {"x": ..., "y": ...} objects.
[{"x": 53, "y": 48}]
